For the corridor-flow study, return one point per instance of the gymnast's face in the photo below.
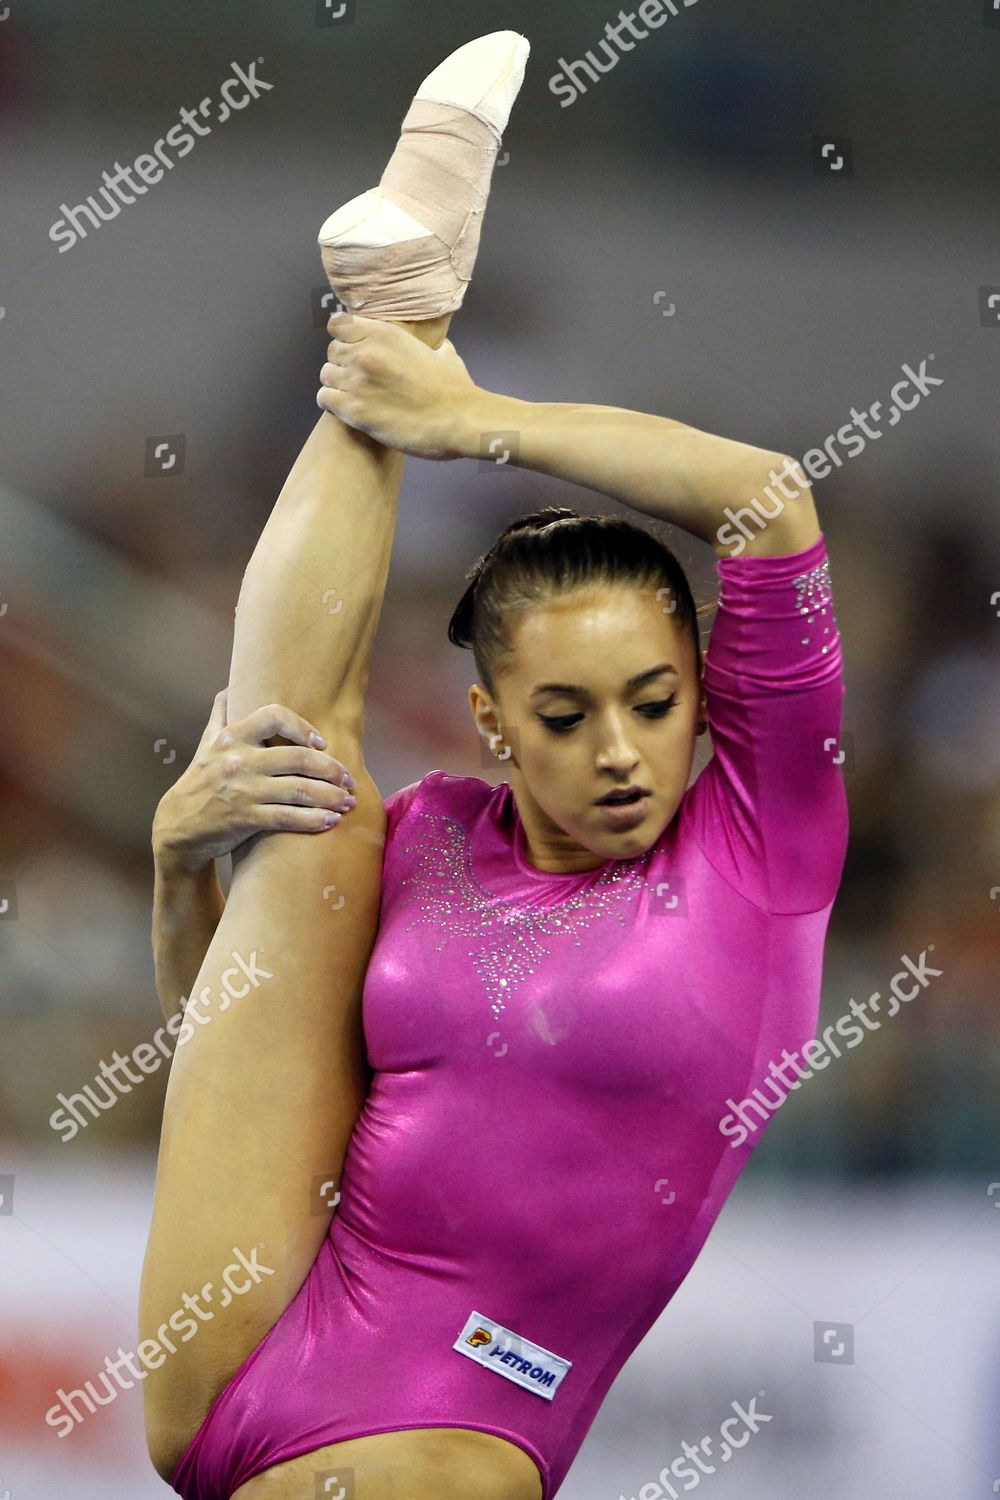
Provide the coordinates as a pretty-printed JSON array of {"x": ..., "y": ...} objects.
[{"x": 586, "y": 706}]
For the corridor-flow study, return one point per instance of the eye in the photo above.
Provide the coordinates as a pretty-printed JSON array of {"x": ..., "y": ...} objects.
[
  {"x": 564, "y": 722},
  {"x": 658, "y": 710},
  {"x": 561, "y": 724}
]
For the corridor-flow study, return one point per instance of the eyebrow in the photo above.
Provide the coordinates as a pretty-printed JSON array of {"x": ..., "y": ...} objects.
[{"x": 578, "y": 692}]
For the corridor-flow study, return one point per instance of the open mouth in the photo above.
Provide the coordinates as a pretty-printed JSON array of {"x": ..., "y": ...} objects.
[{"x": 622, "y": 799}]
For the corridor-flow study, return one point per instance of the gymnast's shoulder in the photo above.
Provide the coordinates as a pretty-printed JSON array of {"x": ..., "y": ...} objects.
[{"x": 441, "y": 792}]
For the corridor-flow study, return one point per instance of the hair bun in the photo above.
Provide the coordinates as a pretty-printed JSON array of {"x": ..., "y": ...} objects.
[
  {"x": 519, "y": 574},
  {"x": 537, "y": 519},
  {"x": 460, "y": 628}
]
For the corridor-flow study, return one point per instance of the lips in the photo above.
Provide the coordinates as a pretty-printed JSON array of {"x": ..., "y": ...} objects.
[
  {"x": 622, "y": 797},
  {"x": 623, "y": 816}
]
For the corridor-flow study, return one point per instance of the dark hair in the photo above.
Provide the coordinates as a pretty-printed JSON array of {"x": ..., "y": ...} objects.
[{"x": 553, "y": 551}]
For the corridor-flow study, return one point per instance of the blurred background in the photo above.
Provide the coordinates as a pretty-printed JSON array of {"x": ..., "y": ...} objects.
[{"x": 674, "y": 239}]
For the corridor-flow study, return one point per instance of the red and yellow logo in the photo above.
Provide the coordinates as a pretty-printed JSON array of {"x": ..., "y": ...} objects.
[{"x": 478, "y": 1337}]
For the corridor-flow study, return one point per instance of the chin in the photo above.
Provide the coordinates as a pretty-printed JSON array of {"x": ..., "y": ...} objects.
[
  {"x": 633, "y": 844},
  {"x": 630, "y": 843}
]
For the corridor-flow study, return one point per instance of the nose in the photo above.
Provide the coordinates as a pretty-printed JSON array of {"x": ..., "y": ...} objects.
[{"x": 618, "y": 754}]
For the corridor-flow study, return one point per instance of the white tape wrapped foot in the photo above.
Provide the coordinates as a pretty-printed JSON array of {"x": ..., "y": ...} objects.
[{"x": 406, "y": 249}]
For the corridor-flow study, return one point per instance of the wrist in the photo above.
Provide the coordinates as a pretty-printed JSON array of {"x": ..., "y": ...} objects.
[
  {"x": 483, "y": 416},
  {"x": 175, "y": 869},
  {"x": 173, "y": 863}
]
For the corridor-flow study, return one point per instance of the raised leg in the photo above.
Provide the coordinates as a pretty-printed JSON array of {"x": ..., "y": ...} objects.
[
  {"x": 312, "y": 592},
  {"x": 268, "y": 1082},
  {"x": 266, "y": 1086}
]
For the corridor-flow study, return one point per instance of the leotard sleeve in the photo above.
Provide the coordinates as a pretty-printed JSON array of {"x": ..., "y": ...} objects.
[{"x": 769, "y": 810}]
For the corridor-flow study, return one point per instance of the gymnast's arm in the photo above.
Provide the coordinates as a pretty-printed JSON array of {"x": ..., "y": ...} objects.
[
  {"x": 425, "y": 402},
  {"x": 655, "y": 465},
  {"x": 187, "y": 905}
]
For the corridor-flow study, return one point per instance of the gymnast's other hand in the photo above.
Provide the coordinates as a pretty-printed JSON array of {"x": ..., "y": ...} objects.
[
  {"x": 384, "y": 382},
  {"x": 236, "y": 786}
]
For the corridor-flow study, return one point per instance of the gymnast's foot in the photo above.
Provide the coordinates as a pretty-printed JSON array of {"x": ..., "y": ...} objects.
[{"x": 405, "y": 250}]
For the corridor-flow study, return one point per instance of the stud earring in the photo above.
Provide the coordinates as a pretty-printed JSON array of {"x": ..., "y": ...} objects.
[{"x": 495, "y": 740}]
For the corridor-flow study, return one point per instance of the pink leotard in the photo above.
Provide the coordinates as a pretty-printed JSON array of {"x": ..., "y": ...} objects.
[{"x": 540, "y": 1158}]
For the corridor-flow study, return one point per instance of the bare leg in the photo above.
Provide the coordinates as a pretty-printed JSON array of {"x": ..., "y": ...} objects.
[
  {"x": 264, "y": 1092},
  {"x": 421, "y": 1463},
  {"x": 265, "y": 1089},
  {"x": 312, "y": 593}
]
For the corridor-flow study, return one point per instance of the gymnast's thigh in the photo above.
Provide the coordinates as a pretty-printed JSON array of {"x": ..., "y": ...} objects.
[
  {"x": 421, "y": 1463},
  {"x": 261, "y": 1102}
]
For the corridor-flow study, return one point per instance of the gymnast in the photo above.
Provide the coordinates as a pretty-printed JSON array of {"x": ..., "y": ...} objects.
[{"x": 466, "y": 1120}]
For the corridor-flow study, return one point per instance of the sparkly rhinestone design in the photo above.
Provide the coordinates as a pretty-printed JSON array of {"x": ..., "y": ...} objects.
[
  {"x": 814, "y": 586},
  {"x": 508, "y": 936},
  {"x": 814, "y": 591}
]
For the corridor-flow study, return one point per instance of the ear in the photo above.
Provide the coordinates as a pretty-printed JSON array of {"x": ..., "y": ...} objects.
[{"x": 483, "y": 711}]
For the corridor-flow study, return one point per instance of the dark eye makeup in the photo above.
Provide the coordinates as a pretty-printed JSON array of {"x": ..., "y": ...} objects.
[{"x": 562, "y": 722}]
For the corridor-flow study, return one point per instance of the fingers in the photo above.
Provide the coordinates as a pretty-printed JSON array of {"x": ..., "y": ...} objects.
[
  {"x": 274, "y": 818},
  {"x": 217, "y": 718},
  {"x": 334, "y": 376},
  {"x": 289, "y": 760},
  {"x": 351, "y": 327},
  {"x": 274, "y": 719},
  {"x": 328, "y": 400},
  {"x": 301, "y": 791},
  {"x": 340, "y": 404},
  {"x": 357, "y": 342}
]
